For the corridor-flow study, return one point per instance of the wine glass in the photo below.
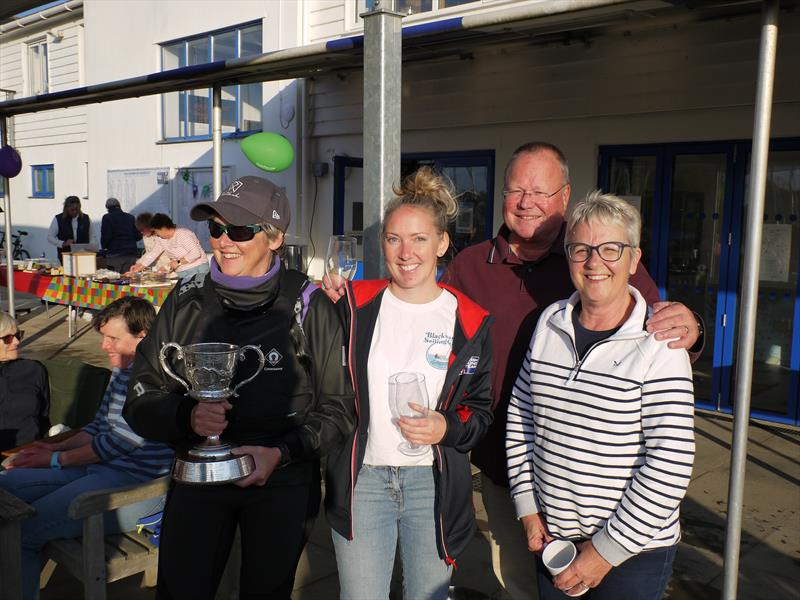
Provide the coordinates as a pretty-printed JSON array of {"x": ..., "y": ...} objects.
[
  {"x": 406, "y": 387},
  {"x": 340, "y": 262}
]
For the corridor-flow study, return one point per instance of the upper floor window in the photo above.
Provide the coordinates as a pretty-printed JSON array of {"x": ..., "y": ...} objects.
[
  {"x": 38, "y": 78},
  {"x": 188, "y": 114},
  {"x": 413, "y": 7},
  {"x": 44, "y": 184}
]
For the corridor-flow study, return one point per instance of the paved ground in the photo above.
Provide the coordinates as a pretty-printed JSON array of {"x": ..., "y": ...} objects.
[{"x": 770, "y": 559}]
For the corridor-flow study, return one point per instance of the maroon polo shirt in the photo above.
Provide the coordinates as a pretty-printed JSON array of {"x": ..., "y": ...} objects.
[{"x": 515, "y": 292}]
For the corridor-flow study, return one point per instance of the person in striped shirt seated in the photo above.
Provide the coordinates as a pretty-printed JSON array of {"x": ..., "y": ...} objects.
[
  {"x": 600, "y": 439},
  {"x": 106, "y": 453},
  {"x": 186, "y": 256}
]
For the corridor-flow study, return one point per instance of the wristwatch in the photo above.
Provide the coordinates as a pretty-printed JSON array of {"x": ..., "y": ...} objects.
[{"x": 54, "y": 464}]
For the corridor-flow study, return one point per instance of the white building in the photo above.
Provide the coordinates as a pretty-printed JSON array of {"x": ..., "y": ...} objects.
[{"x": 648, "y": 99}]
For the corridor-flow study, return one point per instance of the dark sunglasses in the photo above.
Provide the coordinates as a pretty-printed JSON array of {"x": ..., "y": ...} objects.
[
  {"x": 235, "y": 233},
  {"x": 7, "y": 339}
]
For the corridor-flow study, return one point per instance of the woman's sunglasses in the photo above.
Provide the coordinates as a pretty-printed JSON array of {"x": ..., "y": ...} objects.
[
  {"x": 7, "y": 339},
  {"x": 235, "y": 233}
]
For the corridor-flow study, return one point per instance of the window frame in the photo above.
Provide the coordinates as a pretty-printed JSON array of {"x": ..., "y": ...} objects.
[
  {"x": 44, "y": 193},
  {"x": 46, "y": 70},
  {"x": 437, "y": 9},
  {"x": 183, "y": 95}
]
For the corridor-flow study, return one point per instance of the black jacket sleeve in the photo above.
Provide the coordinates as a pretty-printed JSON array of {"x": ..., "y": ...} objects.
[{"x": 333, "y": 415}]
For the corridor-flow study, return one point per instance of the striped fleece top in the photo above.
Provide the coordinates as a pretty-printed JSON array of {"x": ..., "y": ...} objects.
[
  {"x": 183, "y": 245},
  {"x": 114, "y": 441},
  {"x": 603, "y": 447}
]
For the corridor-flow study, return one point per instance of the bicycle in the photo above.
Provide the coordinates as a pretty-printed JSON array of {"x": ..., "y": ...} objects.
[{"x": 18, "y": 252}]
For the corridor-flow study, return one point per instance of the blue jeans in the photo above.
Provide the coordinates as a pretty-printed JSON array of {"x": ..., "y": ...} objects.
[
  {"x": 642, "y": 577},
  {"x": 392, "y": 504},
  {"x": 50, "y": 492}
]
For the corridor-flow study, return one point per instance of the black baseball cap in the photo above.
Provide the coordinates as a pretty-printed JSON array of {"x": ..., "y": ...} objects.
[{"x": 247, "y": 201}]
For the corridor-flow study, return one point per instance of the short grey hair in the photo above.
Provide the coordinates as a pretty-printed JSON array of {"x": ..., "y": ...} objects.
[
  {"x": 606, "y": 209},
  {"x": 7, "y": 324},
  {"x": 272, "y": 234}
]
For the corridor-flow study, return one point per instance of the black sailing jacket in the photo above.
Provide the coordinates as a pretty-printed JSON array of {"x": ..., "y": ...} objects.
[
  {"x": 308, "y": 408},
  {"x": 465, "y": 402}
]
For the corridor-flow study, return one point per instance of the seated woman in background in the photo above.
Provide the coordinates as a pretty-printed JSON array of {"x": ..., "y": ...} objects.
[
  {"x": 187, "y": 257},
  {"x": 600, "y": 438},
  {"x": 24, "y": 391},
  {"x": 381, "y": 494}
]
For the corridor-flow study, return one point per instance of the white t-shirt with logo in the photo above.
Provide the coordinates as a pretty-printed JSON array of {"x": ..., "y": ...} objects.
[{"x": 407, "y": 337}]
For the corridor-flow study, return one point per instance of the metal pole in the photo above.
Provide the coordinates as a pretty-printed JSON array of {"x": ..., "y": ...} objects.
[
  {"x": 750, "y": 280},
  {"x": 383, "y": 47},
  {"x": 7, "y": 216},
  {"x": 216, "y": 140}
]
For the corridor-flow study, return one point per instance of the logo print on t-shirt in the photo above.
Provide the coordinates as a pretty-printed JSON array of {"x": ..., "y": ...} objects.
[{"x": 438, "y": 353}]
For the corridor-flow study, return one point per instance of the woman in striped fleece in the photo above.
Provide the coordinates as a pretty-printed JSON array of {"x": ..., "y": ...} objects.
[
  {"x": 600, "y": 440},
  {"x": 186, "y": 256}
]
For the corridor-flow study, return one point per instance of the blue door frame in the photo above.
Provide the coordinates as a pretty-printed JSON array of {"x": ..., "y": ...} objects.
[
  {"x": 738, "y": 157},
  {"x": 466, "y": 158}
]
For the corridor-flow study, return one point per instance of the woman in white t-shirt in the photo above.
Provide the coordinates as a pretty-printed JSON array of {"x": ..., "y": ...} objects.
[{"x": 379, "y": 497}]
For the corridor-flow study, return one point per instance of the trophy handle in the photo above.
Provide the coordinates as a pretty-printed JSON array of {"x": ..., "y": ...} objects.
[
  {"x": 162, "y": 358},
  {"x": 261, "y": 363}
]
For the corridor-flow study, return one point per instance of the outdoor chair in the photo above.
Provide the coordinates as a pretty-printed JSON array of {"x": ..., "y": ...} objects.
[{"x": 97, "y": 559}]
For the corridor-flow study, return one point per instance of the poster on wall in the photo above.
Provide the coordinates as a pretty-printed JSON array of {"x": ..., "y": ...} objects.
[
  {"x": 776, "y": 250},
  {"x": 141, "y": 190},
  {"x": 192, "y": 186}
]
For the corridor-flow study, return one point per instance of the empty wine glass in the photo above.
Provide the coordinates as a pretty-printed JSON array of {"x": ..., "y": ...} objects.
[
  {"x": 340, "y": 262},
  {"x": 404, "y": 388}
]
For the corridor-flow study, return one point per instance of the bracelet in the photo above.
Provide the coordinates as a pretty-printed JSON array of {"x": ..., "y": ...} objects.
[{"x": 54, "y": 464}]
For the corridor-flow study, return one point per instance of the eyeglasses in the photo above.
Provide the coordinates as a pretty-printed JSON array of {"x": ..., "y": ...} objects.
[
  {"x": 7, "y": 339},
  {"x": 517, "y": 195},
  {"x": 236, "y": 233},
  {"x": 607, "y": 251}
]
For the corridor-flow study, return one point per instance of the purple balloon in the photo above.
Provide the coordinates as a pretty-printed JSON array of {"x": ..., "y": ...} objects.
[{"x": 10, "y": 162}]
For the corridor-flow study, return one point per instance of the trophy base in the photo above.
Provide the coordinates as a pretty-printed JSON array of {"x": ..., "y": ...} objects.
[{"x": 208, "y": 465}]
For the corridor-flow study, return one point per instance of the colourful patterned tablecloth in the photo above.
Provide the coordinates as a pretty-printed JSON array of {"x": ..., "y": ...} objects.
[{"x": 85, "y": 293}]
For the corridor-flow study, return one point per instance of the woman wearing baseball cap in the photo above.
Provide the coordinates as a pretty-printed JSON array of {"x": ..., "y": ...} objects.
[{"x": 296, "y": 410}]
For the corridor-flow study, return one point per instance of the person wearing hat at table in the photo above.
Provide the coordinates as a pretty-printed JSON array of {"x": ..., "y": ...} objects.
[
  {"x": 118, "y": 237},
  {"x": 299, "y": 408}
]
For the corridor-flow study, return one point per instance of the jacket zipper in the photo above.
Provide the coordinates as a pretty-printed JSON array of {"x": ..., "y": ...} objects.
[
  {"x": 350, "y": 368},
  {"x": 579, "y": 361}
]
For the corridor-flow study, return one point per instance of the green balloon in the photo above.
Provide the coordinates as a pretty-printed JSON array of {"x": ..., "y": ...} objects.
[{"x": 268, "y": 151}]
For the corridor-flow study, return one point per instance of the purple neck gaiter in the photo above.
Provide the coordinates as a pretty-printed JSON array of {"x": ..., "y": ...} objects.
[{"x": 242, "y": 282}]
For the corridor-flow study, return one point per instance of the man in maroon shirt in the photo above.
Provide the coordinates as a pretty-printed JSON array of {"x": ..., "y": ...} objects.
[{"x": 515, "y": 276}]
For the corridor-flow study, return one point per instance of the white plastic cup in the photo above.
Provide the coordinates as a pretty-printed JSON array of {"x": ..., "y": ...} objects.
[{"x": 558, "y": 555}]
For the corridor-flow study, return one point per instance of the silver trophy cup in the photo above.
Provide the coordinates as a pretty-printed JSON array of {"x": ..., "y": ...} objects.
[{"x": 210, "y": 367}]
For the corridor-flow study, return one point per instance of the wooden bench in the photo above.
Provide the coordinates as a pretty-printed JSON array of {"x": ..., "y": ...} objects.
[{"x": 97, "y": 559}]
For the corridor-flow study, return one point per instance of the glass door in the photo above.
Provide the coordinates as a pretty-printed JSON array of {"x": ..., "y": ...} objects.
[
  {"x": 695, "y": 239},
  {"x": 774, "y": 392},
  {"x": 692, "y": 199}
]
